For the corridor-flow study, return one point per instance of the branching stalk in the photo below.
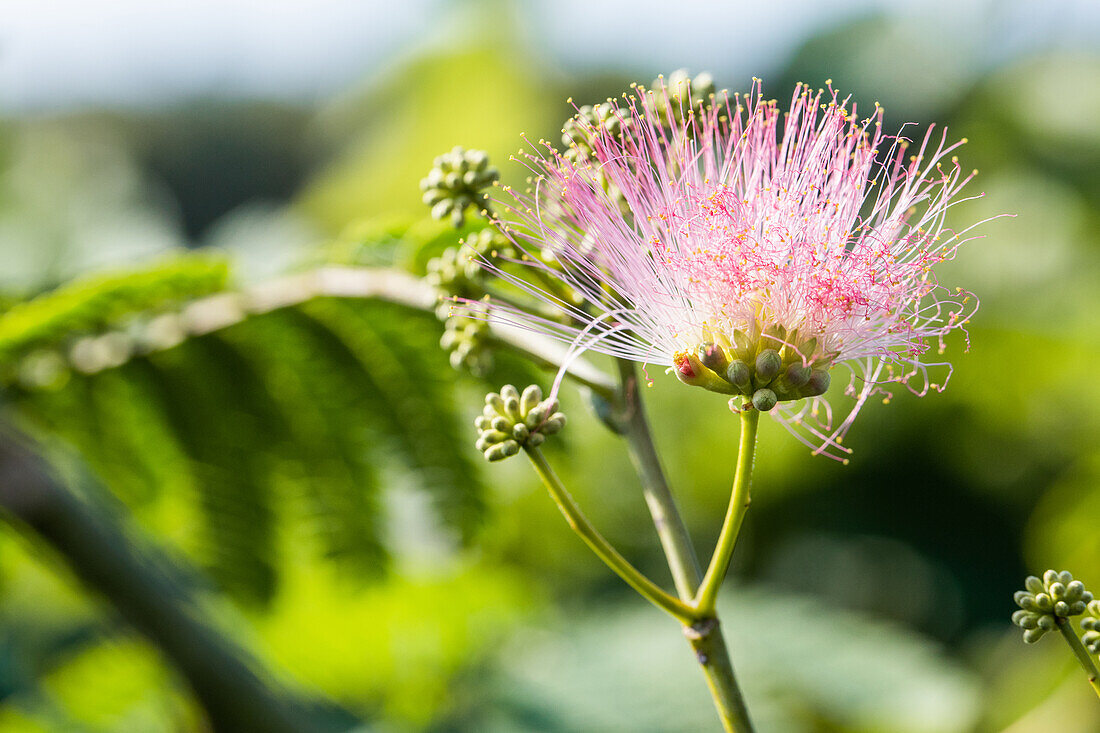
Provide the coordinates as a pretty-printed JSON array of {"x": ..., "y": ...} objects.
[
  {"x": 705, "y": 635},
  {"x": 649, "y": 590}
]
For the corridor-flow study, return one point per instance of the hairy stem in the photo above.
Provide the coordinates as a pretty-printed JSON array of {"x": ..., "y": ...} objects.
[
  {"x": 735, "y": 515},
  {"x": 603, "y": 549},
  {"x": 1079, "y": 651}
]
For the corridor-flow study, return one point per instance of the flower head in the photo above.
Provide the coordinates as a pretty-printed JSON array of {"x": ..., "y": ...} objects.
[{"x": 752, "y": 250}]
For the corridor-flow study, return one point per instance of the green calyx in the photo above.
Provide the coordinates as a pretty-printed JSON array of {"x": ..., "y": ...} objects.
[
  {"x": 766, "y": 367},
  {"x": 512, "y": 420},
  {"x": 1056, "y": 596},
  {"x": 1091, "y": 626},
  {"x": 457, "y": 181}
]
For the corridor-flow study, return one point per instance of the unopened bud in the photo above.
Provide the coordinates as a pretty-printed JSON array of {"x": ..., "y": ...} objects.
[
  {"x": 816, "y": 385},
  {"x": 767, "y": 366},
  {"x": 764, "y": 399},
  {"x": 714, "y": 357},
  {"x": 739, "y": 375},
  {"x": 797, "y": 375}
]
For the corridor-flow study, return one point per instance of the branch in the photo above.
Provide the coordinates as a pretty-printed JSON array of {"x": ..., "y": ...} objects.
[{"x": 207, "y": 315}]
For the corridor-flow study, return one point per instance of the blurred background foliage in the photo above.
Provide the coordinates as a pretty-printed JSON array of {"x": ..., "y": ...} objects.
[{"x": 310, "y": 470}]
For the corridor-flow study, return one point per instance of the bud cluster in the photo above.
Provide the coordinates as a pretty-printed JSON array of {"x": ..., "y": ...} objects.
[
  {"x": 1050, "y": 598},
  {"x": 686, "y": 95},
  {"x": 768, "y": 367},
  {"x": 459, "y": 272},
  {"x": 457, "y": 181},
  {"x": 579, "y": 134},
  {"x": 1091, "y": 626},
  {"x": 578, "y": 131},
  {"x": 512, "y": 420},
  {"x": 466, "y": 341}
]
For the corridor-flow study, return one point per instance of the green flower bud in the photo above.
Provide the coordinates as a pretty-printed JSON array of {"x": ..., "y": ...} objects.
[
  {"x": 768, "y": 364},
  {"x": 500, "y": 451},
  {"x": 511, "y": 421},
  {"x": 764, "y": 399},
  {"x": 739, "y": 375},
  {"x": 1033, "y": 635},
  {"x": 816, "y": 385},
  {"x": 530, "y": 398},
  {"x": 797, "y": 375},
  {"x": 714, "y": 357},
  {"x": 1091, "y": 626},
  {"x": 689, "y": 369}
]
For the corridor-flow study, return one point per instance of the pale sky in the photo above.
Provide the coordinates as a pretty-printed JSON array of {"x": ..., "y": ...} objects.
[{"x": 64, "y": 53}]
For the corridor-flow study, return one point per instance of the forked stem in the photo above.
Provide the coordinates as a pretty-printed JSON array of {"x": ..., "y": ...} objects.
[
  {"x": 705, "y": 635},
  {"x": 649, "y": 590}
]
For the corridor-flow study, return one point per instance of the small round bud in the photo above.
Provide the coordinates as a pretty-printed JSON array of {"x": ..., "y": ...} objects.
[
  {"x": 797, "y": 375},
  {"x": 764, "y": 399},
  {"x": 768, "y": 364},
  {"x": 714, "y": 357},
  {"x": 739, "y": 375},
  {"x": 530, "y": 398},
  {"x": 816, "y": 385},
  {"x": 1033, "y": 635}
]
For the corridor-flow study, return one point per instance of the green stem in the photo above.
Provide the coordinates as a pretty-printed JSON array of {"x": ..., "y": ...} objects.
[
  {"x": 705, "y": 636},
  {"x": 649, "y": 590},
  {"x": 1079, "y": 651},
  {"x": 739, "y": 504},
  {"x": 670, "y": 526},
  {"x": 707, "y": 642}
]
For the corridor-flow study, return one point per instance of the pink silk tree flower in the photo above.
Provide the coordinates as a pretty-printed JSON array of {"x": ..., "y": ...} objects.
[{"x": 751, "y": 250}]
